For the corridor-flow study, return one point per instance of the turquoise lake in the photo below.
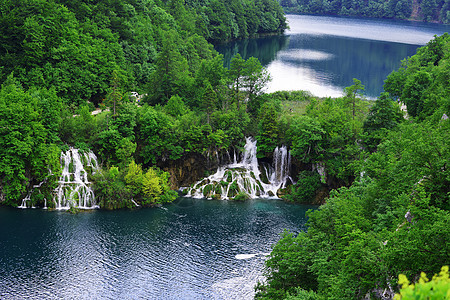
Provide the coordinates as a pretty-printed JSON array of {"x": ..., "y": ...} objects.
[{"x": 323, "y": 54}]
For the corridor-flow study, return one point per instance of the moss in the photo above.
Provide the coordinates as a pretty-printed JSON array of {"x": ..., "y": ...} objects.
[
  {"x": 228, "y": 176},
  {"x": 233, "y": 190},
  {"x": 74, "y": 210},
  {"x": 241, "y": 196},
  {"x": 218, "y": 189},
  {"x": 246, "y": 184},
  {"x": 207, "y": 190}
]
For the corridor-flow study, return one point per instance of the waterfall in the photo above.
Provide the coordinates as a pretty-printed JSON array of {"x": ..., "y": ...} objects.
[
  {"x": 281, "y": 164},
  {"x": 245, "y": 176},
  {"x": 74, "y": 189},
  {"x": 28, "y": 197}
]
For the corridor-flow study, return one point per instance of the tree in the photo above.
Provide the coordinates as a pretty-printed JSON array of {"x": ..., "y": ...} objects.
[
  {"x": 209, "y": 100},
  {"x": 268, "y": 129},
  {"x": 437, "y": 288},
  {"x": 172, "y": 75},
  {"x": 414, "y": 92},
  {"x": 134, "y": 178},
  {"x": 351, "y": 93},
  {"x": 305, "y": 135},
  {"x": 151, "y": 186},
  {"x": 384, "y": 115},
  {"x": 176, "y": 107},
  {"x": 236, "y": 76},
  {"x": 114, "y": 95},
  {"x": 256, "y": 79},
  {"x": 395, "y": 82}
]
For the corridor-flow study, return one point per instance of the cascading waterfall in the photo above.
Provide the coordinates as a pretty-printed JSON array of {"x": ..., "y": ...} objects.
[
  {"x": 281, "y": 164},
  {"x": 245, "y": 176},
  {"x": 28, "y": 197},
  {"x": 74, "y": 189}
]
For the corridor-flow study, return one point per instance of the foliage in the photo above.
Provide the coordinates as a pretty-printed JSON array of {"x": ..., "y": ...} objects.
[
  {"x": 384, "y": 115},
  {"x": 84, "y": 49},
  {"x": 394, "y": 216},
  {"x": 436, "y": 288},
  {"x": 125, "y": 188},
  {"x": 27, "y": 148},
  {"x": 241, "y": 196},
  {"x": 305, "y": 189},
  {"x": 422, "y": 80},
  {"x": 424, "y": 10},
  {"x": 331, "y": 135},
  {"x": 268, "y": 137}
]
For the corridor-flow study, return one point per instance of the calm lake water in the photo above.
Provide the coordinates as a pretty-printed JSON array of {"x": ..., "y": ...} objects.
[
  {"x": 192, "y": 249},
  {"x": 322, "y": 54}
]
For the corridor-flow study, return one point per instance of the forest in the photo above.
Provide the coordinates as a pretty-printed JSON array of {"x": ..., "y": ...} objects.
[
  {"x": 393, "y": 218},
  {"x": 386, "y": 176},
  {"x": 63, "y": 59},
  {"x": 420, "y": 10}
]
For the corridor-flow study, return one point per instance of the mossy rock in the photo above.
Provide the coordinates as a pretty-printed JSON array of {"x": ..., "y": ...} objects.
[
  {"x": 228, "y": 176},
  {"x": 241, "y": 196},
  {"x": 224, "y": 183},
  {"x": 216, "y": 196},
  {"x": 218, "y": 189},
  {"x": 282, "y": 192},
  {"x": 259, "y": 185},
  {"x": 246, "y": 184},
  {"x": 233, "y": 190},
  {"x": 207, "y": 190},
  {"x": 202, "y": 183},
  {"x": 73, "y": 210}
]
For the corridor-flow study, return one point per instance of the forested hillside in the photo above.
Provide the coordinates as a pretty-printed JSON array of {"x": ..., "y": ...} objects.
[
  {"x": 394, "y": 218},
  {"x": 420, "y": 10},
  {"x": 74, "y": 46},
  {"x": 62, "y": 59},
  {"x": 386, "y": 172}
]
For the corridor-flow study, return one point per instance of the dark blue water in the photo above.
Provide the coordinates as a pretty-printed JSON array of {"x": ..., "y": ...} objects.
[
  {"x": 322, "y": 55},
  {"x": 192, "y": 249}
]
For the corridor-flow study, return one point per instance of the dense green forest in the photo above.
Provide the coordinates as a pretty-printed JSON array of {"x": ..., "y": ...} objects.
[
  {"x": 62, "y": 59},
  {"x": 385, "y": 173},
  {"x": 420, "y": 10},
  {"x": 394, "y": 217}
]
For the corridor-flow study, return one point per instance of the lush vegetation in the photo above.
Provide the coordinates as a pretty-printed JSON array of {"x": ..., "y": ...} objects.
[
  {"x": 62, "y": 59},
  {"x": 395, "y": 214},
  {"x": 388, "y": 209},
  {"x": 422, "y": 10},
  {"x": 437, "y": 288}
]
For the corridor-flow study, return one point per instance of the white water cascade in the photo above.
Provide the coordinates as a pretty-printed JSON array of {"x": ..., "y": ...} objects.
[
  {"x": 281, "y": 164},
  {"x": 74, "y": 189},
  {"x": 28, "y": 197},
  {"x": 245, "y": 176}
]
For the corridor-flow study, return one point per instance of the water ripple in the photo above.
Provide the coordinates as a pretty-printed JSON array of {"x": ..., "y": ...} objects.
[{"x": 204, "y": 250}]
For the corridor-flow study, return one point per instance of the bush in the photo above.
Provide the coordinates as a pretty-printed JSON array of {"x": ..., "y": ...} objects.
[
  {"x": 305, "y": 189},
  {"x": 437, "y": 288}
]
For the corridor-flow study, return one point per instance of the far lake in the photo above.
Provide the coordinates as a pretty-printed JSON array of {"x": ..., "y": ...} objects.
[{"x": 322, "y": 54}]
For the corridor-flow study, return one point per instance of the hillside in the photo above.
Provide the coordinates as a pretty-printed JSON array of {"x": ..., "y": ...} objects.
[{"x": 418, "y": 10}]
